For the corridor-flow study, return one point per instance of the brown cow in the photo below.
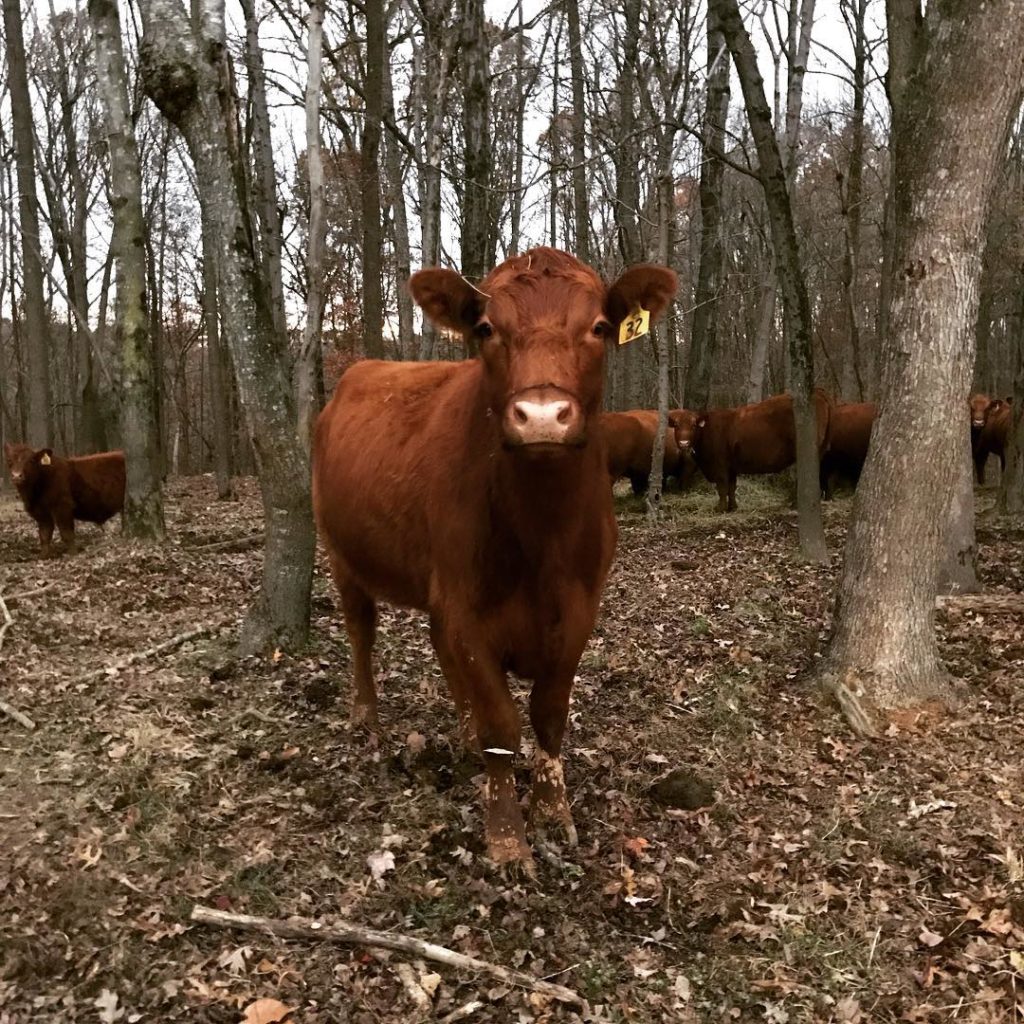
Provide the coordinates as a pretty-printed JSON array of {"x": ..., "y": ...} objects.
[
  {"x": 993, "y": 436},
  {"x": 978, "y": 403},
  {"x": 758, "y": 438},
  {"x": 492, "y": 510},
  {"x": 848, "y": 444},
  {"x": 629, "y": 437},
  {"x": 56, "y": 491}
]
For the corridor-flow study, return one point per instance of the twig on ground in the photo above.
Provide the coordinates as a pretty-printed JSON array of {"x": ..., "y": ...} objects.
[
  {"x": 254, "y": 540},
  {"x": 25, "y": 594},
  {"x": 415, "y": 991},
  {"x": 463, "y": 1011},
  {"x": 8, "y": 619},
  {"x": 16, "y": 715},
  {"x": 1009, "y": 603},
  {"x": 149, "y": 652},
  {"x": 351, "y": 934}
]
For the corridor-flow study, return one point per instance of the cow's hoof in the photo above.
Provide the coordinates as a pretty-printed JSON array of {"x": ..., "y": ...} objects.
[{"x": 364, "y": 716}]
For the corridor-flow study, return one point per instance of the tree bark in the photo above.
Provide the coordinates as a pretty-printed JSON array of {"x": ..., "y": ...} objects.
[
  {"x": 704, "y": 336},
  {"x": 185, "y": 70},
  {"x": 580, "y": 203},
  {"x": 801, "y": 22},
  {"x": 665, "y": 186},
  {"x": 792, "y": 283},
  {"x": 143, "y": 501},
  {"x": 307, "y": 366},
  {"x": 954, "y": 83},
  {"x": 1010, "y": 500},
  {"x": 369, "y": 163},
  {"x": 40, "y": 403},
  {"x": 477, "y": 241}
]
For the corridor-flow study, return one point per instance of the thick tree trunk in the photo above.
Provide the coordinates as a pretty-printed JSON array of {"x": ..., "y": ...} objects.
[
  {"x": 186, "y": 72},
  {"x": 1011, "y": 486},
  {"x": 704, "y": 337},
  {"x": 477, "y": 241},
  {"x": 955, "y": 83},
  {"x": 655, "y": 486},
  {"x": 307, "y": 366},
  {"x": 580, "y": 201},
  {"x": 792, "y": 283},
  {"x": 369, "y": 173},
  {"x": 40, "y": 404},
  {"x": 143, "y": 502}
]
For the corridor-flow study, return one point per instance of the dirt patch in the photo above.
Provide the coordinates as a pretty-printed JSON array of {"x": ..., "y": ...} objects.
[{"x": 829, "y": 879}]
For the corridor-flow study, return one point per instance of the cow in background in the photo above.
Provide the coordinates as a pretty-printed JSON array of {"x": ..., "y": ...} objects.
[
  {"x": 478, "y": 491},
  {"x": 56, "y": 491},
  {"x": 848, "y": 444},
  {"x": 751, "y": 439},
  {"x": 993, "y": 436},
  {"x": 629, "y": 437}
]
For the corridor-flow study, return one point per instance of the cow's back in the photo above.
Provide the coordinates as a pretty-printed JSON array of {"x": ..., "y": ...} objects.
[
  {"x": 763, "y": 436},
  {"x": 851, "y": 430},
  {"x": 97, "y": 485},
  {"x": 391, "y": 437},
  {"x": 648, "y": 418}
]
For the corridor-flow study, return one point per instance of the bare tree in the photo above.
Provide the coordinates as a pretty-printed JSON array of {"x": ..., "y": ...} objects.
[
  {"x": 580, "y": 201},
  {"x": 955, "y": 81},
  {"x": 478, "y": 244},
  {"x": 369, "y": 156},
  {"x": 186, "y": 72}
]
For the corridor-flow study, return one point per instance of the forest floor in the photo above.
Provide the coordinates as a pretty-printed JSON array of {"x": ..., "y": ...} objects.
[{"x": 830, "y": 879}]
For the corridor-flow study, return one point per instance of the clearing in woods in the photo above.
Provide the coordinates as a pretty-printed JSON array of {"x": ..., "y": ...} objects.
[{"x": 830, "y": 879}]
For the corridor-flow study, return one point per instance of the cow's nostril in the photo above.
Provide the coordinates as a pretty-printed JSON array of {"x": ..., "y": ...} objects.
[
  {"x": 519, "y": 414},
  {"x": 564, "y": 412}
]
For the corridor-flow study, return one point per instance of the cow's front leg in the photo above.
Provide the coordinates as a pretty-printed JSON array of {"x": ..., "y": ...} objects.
[{"x": 549, "y": 711}]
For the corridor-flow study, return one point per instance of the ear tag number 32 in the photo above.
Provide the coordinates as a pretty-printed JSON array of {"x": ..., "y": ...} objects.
[{"x": 636, "y": 325}]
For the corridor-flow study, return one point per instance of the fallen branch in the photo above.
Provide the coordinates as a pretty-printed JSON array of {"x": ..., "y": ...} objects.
[
  {"x": 25, "y": 594},
  {"x": 16, "y": 715},
  {"x": 8, "y": 619},
  {"x": 351, "y": 934},
  {"x": 1008, "y": 603},
  {"x": 463, "y": 1012},
  {"x": 149, "y": 652},
  {"x": 254, "y": 540}
]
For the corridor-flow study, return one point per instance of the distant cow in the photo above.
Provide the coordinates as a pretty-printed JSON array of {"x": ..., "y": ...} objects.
[
  {"x": 56, "y": 491},
  {"x": 751, "y": 439},
  {"x": 993, "y": 435},
  {"x": 629, "y": 437},
  {"x": 478, "y": 491},
  {"x": 848, "y": 444}
]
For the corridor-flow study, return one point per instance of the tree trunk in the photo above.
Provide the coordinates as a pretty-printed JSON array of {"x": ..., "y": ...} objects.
[
  {"x": 369, "y": 172},
  {"x": 264, "y": 180},
  {"x": 655, "y": 486},
  {"x": 219, "y": 377},
  {"x": 954, "y": 83},
  {"x": 580, "y": 200},
  {"x": 185, "y": 70},
  {"x": 763, "y": 337},
  {"x": 792, "y": 283},
  {"x": 704, "y": 337},
  {"x": 143, "y": 502},
  {"x": 477, "y": 242},
  {"x": 37, "y": 327},
  {"x": 797, "y": 52},
  {"x": 1010, "y": 500},
  {"x": 307, "y": 365}
]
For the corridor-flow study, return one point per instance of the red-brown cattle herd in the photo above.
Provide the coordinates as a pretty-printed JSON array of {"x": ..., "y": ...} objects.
[{"x": 494, "y": 514}]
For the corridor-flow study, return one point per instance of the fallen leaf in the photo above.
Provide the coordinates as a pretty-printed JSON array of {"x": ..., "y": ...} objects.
[
  {"x": 380, "y": 863},
  {"x": 416, "y": 742},
  {"x": 266, "y": 1011},
  {"x": 927, "y": 938},
  {"x": 429, "y": 983},
  {"x": 636, "y": 846},
  {"x": 106, "y": 1003}
]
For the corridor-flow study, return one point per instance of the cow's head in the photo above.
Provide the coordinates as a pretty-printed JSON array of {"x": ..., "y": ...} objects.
[
  {"x": 979, "y": 405},
  {"x": 26, "y": 464},
  {"x": 688, "y": 428},
  {"x": 542, "y": 321}
]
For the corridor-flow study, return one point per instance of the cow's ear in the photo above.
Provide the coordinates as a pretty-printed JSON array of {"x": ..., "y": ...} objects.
[
  {"x": 702, "y": 421},
  {"x": 44, "y": 456},
  {"x": 674, "y": 420},
  {"x": 645, "y": 286},
  {"x": 8, "y": 450},
  {"x": 447, "y": 298},
  {"x": 1009, "y": 400}
]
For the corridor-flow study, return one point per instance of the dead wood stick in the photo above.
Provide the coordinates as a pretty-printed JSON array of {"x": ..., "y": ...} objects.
[
  {"x": 351, "y": 934},
  {"x": 25, "y": 594},
  {"x": 464, "y": 1011},
  {"x": 981, "y": 602},
  {"x": 16, "y": 715},
  {"x": 149, "y": 652},
  {"x": 234, "y": 544},
  {"x": 8, "y": 619}
]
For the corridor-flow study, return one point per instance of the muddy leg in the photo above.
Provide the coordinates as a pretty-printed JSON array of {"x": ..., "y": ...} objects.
[
  {"x": 360, "y": 612},
  {"x": 66, "y": 525},
  {"x": 732, "y": 493},
  {"x": 456, "y": 686},
  {"x": 45, "y": 538},
  {"x": 549, "y": 709},
  {"x": 723, "y": 495}
]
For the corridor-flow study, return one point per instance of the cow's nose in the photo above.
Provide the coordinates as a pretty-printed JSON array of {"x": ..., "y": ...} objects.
[{"x": 555, "y": 421}]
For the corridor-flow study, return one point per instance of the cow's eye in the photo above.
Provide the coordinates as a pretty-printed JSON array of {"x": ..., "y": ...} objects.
[
  {"x": 602, "y": 328},
  {"x": 483, "y": 330}
]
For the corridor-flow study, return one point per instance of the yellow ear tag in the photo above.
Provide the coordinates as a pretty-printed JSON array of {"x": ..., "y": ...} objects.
[
  {"x": 636, "y": 325},
  {"x": 45, "y": 460}
]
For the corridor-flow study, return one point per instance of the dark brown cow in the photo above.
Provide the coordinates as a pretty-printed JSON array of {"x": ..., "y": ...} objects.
[
  {"x": 978, "y": 404},
  {"x": 751, "y": 439},
  {"x": 629, "y": 437},
  {"x": 478, "y": 491},
  {"x": 56, "y": 491},
  {"x": 993, "y": 436},
  {"x": 848, "y": 444}
]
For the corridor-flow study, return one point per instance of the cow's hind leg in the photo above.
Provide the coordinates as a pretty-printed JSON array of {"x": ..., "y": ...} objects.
[
  {"x": 456, "y": 685},
  {"x": 549, "y": 710},
  {"x": 360, "y": 612},
  {"x": 65, "y": 521},
  {"x": 45, "y": 537}
]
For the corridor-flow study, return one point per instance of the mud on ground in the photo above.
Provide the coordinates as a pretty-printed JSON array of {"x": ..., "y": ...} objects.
[{"x": 830, "y": 880}]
